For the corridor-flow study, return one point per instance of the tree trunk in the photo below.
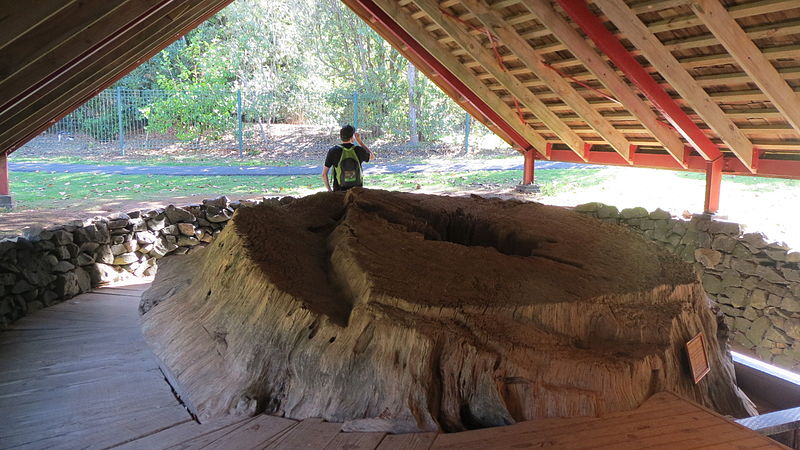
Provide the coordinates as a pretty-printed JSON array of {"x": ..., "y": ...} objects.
[
  {"x": 412, "y": 104},
  {"x": 403, "y": 312}
]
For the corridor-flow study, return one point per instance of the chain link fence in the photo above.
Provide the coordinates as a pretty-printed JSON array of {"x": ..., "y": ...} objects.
[{"x": 121, "y": 120}]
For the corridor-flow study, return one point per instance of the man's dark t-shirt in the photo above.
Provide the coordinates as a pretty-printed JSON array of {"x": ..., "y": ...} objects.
[{"x": 335, "y": 154}]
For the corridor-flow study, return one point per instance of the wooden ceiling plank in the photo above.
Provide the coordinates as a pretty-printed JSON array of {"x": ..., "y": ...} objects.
[
  {"x": 668, "y": 24},
  {"x": 69, "y": 37},
  {"x": 16, "y": 21},
  {"x": 452, "y": 64},
  {"x": 669, "y": 67},
  {"x": 81, "y": 83},
  {"x": 749, "y": 57},
  {"x": 491, "y": 65},
  {"x": 737, "y": 12},
  {"x": 607, "y": 76},
  {"x": 52, "y": 67},
  {"x": 143, "y": 50},
  {"x": 149, "y": 47},
  {"x": 561, "y": 87}
]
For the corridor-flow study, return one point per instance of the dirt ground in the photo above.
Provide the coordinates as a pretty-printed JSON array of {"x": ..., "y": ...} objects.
[{"x": 282, "y": 143}]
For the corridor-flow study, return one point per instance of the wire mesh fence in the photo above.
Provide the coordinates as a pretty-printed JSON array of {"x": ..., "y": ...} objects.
[{"x": 121, "y": 120}]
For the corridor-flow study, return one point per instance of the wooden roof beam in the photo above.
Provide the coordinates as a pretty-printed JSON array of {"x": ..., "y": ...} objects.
[
  {"x": 29, "y": 67},
  {"x": 668, "y": 66},
  {"x": 452, "y": 64},
  {"x": 749, "y": 57},
  {"x": 13, "y": 26},
  {"x": 476, "y": 50},
  {"x": 607, "y": 76},
  {"x": 98, "y": 73},
  {"x": 561, "y": 87}
]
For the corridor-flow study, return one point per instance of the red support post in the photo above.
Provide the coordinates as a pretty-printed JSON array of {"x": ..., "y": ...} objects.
[
  {"x": 580, "y": 13},
  {"x": 4, "y": 186},
  {"x": 5, "y": 197},
  {"x": 713, "y": 184},
  {"x": 527, "y": 173}
]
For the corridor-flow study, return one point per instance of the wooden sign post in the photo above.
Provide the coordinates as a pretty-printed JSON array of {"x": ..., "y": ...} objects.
[{"x": 698, "y": 359}]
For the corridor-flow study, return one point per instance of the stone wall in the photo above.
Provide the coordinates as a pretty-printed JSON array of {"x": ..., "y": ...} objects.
[
  {"x": 755, "y": 283},
  {"x": 47, "y": 266}
]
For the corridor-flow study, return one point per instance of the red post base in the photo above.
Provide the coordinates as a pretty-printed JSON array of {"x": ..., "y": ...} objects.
[
  {"x": 713, "y": 184},
  {"x": 527, "y": 174}
]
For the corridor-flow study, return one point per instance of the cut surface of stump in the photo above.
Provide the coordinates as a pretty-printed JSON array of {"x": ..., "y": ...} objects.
[{"x": 402, "y": 312}]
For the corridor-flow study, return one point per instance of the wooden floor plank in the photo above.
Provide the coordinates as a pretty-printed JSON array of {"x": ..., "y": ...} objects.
[
  {"x": 308, "y": 434},
  {"x": 178, "y": 434},
  {"x": 80, "y": 374},
  {"x": 355, "y": 441},
  {"x": 204, "y": 439},
  {"x": 253, "y": 435},
  {"x": 408, "y": 441}
]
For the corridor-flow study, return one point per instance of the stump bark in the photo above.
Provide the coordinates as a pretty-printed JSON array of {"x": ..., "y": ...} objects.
[{"x": 402, "y": 312}]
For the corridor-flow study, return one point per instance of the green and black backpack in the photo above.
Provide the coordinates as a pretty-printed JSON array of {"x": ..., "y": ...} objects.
[{"x": 348, "y": 169}]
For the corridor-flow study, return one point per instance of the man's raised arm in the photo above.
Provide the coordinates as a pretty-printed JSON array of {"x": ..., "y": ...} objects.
[{"x": 325, "y": 177}]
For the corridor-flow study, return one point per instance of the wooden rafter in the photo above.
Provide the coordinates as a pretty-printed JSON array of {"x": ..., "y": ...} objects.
[
  {"x": 554, "y": 81},
  {"x": 476, "y": 50},
  {"x": 15, "y": 26},
  {"x": 565, "y": 33},
  {"x": 467, "y": 77},
  {"x": 85, "y": 80},
  {"x": 668, "y": 66},
  {"x": 717, "y": 19}
]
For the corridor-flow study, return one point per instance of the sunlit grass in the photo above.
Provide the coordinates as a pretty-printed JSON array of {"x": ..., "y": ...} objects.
[{"x": 36, "y": 190}]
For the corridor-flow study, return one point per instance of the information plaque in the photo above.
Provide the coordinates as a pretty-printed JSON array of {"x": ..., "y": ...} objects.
[{"x": 698, "y": 358}]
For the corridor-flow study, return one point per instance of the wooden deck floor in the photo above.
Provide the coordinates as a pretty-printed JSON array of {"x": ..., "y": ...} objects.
[{"x": 79, "y": 375}]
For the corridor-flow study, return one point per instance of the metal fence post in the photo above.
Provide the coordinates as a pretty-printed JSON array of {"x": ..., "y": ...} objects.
[
  {"x": 355, "y": 110},
  {"x": 239, "y": 118},
  {"x": 120, "y": 122},
  {"x": 466, "y": 133}
]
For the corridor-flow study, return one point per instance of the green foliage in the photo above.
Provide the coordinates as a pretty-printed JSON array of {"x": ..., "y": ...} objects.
[{"x": 295, "y": 61}]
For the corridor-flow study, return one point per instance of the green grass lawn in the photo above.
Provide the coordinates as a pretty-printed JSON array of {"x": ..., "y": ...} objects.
[
  {"x": 155, "y": 161},
  {"x": 760, "y": 184},
  {"x": 33, "y": 190},
  {"x": 36, "y": 190}
]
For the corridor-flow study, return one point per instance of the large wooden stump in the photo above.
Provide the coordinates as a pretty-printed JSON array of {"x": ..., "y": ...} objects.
[{"x": 405, "y": 312}]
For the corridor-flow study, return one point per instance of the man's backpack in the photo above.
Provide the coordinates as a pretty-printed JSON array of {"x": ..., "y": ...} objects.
[{"x": 348, "y": 170}]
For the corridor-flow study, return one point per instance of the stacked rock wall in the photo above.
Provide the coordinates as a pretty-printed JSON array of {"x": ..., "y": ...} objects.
[
  {"x": 47, "y": 266},
  {"x": 755, "y": 283}
]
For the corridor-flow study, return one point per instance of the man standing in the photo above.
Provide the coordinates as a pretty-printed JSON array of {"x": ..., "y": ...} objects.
[{"x": 346, "y": 159}]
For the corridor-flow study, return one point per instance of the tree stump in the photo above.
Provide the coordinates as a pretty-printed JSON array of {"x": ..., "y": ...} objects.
[{"x": 401, "y": 312}]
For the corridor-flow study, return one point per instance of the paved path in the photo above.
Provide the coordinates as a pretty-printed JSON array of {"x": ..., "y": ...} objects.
[{"x": 431, "y": 166}]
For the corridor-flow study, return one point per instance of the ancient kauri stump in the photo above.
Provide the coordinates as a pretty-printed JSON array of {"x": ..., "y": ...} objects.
[{"x": 402, "y": 312}]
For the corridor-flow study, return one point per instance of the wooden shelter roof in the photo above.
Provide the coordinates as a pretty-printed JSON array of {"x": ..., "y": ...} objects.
[
  {"x": 57, "y": 54},
  {"x": 732, "y": 66},
  {"x": 524, "y": 68}
]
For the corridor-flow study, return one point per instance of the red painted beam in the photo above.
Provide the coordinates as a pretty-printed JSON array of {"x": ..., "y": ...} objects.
[
  {"x": 527, "y": 172},
  {"x": 713, "y": 183},
  {"x": 4, "y": 186},
  {"x": 580, "y": 13},
  {"x": 731, "y": 165},
  {"x": 438, "y": 68}
]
